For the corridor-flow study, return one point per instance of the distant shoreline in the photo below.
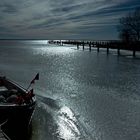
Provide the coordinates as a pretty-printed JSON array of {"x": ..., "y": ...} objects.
[{"x": 63, "y": 39}]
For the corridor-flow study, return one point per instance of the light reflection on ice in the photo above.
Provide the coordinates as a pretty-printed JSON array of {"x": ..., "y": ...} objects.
[
  {"x": 41, "y": 42},
  {"x": 52, "y": 50},
  {"x": 67, "y": 128}
]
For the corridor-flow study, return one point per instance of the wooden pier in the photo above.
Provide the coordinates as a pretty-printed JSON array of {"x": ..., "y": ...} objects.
[{"x": 107, "y": 44}]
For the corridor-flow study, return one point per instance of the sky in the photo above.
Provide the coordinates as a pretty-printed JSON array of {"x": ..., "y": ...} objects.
[{"x": 63, "y": 19}]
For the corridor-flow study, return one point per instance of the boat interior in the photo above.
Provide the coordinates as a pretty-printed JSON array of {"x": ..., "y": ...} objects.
[{"x": 11, "y": 93}]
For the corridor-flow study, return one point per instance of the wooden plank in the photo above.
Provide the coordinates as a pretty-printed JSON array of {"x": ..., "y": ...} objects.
[{"x": 3, "y": 136}]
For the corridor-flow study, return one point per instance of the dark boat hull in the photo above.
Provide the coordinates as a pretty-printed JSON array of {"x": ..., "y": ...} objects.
[
  {"x": 17, "y": 116},
  {"x": 18, "y": 120}
]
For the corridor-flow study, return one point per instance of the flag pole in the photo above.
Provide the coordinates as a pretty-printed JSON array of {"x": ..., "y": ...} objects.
[
  {"x": 33, "y": 81},
  {"x": 28, "y": 87}
]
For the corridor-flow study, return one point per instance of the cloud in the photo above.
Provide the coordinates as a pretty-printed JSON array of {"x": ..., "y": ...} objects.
[{"x": 56, "y": 19}]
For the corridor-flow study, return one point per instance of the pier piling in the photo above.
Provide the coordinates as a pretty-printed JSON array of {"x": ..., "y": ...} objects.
[
  {"x": 77, "y": 46},
  {"x": 90, "y": 46},
  {"x": 118, "y": 51},
  {"x": 83, "y": 45},
  {"x": 108, "y": 44}
]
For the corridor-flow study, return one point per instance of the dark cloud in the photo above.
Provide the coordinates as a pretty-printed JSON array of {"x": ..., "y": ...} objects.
[
  {"x": 7, "y": 8},
  {"x": 65, "y": 19},
  {"x": 4, "y": 29}
]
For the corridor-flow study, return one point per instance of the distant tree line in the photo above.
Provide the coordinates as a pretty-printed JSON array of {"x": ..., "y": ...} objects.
[
  {"x": 129, "y": 28},
  {"x": 129, "y": 31}
]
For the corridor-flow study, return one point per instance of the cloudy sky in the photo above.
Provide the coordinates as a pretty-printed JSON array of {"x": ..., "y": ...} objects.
[{"x": 62, "y": 19}]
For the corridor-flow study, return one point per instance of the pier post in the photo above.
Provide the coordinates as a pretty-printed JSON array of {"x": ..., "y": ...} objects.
[
  {"x": 90, "y": 46},
  {"x": 98, "y": 48},
  {"x": 134, "y": 52},
  {"x": 97, "y": 45},
  {"x": 83, "y": 45},
  {"x": 118, "y": 50},
  {"x": 77, "y": 46},
  {"x": 107, "y": 50}
]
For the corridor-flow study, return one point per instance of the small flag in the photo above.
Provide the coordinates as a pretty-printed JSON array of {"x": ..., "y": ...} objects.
[{"x": 36, "y": 78}]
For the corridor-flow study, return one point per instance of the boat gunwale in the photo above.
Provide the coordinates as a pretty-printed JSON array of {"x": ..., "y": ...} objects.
[{"x": 24, "y": 91}]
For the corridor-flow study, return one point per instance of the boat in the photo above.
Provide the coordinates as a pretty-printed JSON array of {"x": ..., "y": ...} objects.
[{"x": 17, "y": 105}]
